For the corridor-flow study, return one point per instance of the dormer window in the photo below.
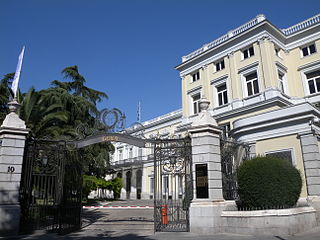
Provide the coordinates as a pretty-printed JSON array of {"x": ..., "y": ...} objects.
[
  {"x": 220, "y": 65},
  {"x": 248, "y": 52},
  {"x": 308, "y": 50},
  {"x": 195, "y": 76}
]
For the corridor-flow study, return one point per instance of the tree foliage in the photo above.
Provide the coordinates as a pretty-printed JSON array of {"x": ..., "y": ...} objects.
[
  {"x": 92, "y": 183},
  {"x": 56, "y": 113},
  {"x": 5, "y": 94}
]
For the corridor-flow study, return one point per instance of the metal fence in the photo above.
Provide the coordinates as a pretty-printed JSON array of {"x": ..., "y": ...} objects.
[
  {"x": 232, "y": 154},
  {"x": 51, "y": 187}
]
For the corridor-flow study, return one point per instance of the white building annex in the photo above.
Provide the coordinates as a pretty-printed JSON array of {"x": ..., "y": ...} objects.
[{"x": 263, "y": 84}]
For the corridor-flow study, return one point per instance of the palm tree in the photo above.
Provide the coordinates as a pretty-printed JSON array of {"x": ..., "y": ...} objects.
[{"x": 40, "y": 116}]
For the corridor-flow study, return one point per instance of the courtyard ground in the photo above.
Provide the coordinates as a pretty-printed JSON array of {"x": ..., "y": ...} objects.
[{"x": 131, "y": 220}]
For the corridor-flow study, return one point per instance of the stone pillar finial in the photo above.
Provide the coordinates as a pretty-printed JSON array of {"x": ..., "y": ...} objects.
[
  {"x": 204, "y": 104},
  {"x": 14, "y": 106},
  {"x": 12, "y": 119},
  {"x": 204, "y": 118}
]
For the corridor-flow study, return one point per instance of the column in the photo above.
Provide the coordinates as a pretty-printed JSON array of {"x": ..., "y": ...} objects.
[
  {"x": 13, "y": 133},
  {"x": 206, "y": 207}
]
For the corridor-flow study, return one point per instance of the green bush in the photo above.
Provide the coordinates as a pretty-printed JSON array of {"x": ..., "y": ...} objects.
[
  {"x": 268, "y": 182},
  {"x": 92, "y": 183},
  {"x": 89, "y": 184},
  {"x": 116, "y": 187}
]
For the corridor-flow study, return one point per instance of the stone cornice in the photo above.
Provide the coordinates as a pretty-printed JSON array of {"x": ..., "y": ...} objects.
[
  {"x": 15, "y": 131},
  {"x": 260, "y": 19}
]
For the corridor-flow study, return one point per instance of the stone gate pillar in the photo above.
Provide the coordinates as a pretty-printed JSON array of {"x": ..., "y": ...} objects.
[
  {"x": 310, "y": 146},
  {"x": 208, "y": 202},
  {"x": 205, "y": 141},
  {"x": 13, "y": 133}
]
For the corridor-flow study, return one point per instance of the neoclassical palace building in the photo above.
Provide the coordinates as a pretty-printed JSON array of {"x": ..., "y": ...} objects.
[{"x": 263, "y": 84}]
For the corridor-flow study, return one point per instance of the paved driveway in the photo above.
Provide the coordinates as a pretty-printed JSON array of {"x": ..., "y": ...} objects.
[{"x": 121, "y": 223}]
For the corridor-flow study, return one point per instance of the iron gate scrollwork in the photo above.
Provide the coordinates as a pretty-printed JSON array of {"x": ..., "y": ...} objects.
[
  {"x": 232, "y": 155},
  {"x": 173, "y": 189},
  {"x": 51, "y": 187}
]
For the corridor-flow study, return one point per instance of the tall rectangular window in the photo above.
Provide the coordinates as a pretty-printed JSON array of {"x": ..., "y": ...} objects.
[
  {"x": 248, "y": 52},
  {"x": 252, "y": 83},
  {"x": 313, "y": 80},
  {"x": 180, "y": 185},
  {"x": 225, "y": 130},
  {"x": 220, "y": 65},
  {"x": 281, "y": 81},
  {"x": 130, "y": 152},
  {"x": 165, "y": 184},
  {"x": 195, "y": 76},
  {"x": 222, "y": 94},
  {"x": 120, "y": 154},
  {"x": 308, "y": 50},
  {"x": 196, "y": 102},
  {"x": 152, "y": 185}
]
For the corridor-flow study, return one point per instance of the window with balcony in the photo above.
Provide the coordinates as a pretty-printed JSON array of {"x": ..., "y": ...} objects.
[
  {"x": 313, "y": 80},
  {"x": 219, "y": 65},
  {"x": 252, "y": 84},
  {"x": 222, "y": 94},
  {"x": 195, "y": 76},
  {"x": 308, "y": 50},
  {"x": 248, "y": 52}
]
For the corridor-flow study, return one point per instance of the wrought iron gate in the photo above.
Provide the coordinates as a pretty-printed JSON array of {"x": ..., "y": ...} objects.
[
  {"x": 51, "y": 187},
  {"x": 232, "y": 154},
  {"x": 172, "y": 184}
]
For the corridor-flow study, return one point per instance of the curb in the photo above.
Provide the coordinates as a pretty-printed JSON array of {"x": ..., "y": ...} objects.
[{"x": 117, "y": 207}]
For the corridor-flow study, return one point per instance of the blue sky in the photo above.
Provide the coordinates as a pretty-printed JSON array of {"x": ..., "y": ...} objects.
[{"x": 126, "y": 48}]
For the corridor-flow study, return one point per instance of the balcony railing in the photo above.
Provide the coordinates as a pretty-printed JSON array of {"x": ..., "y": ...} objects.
[
  {"x": 133, "y": 161},
  {"x": 302, "y": 25},
  {"x": 225, "y": 37},
  {"x": 288, "y": 31}
]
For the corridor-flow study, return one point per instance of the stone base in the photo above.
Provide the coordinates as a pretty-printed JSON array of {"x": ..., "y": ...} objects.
[
  {"x": 9, "y": 219},
  {"x": 269, "y": 222},
  {"x": 205, "y": 216},
  {"x": 314, "y": 201},
  {"x": 214, "y": 217}
]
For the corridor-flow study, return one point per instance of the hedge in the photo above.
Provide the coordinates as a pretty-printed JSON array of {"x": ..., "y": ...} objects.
[{"x": 268, "y": 182}]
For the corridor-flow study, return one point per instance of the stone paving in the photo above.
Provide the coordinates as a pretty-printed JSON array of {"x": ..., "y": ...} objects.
[{"x": 132, "y": 224}]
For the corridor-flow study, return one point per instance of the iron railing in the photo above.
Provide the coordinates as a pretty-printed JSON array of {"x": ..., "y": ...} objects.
[{"x": 51, "y": 187}]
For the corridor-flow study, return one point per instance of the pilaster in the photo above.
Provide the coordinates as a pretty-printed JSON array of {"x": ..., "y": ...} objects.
[
  {"x": 311, "y": 159},
  {"x": 13, "y": 134}
]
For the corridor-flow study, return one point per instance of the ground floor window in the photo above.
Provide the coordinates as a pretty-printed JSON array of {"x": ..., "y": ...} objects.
[{"x": 283, "y": 154}]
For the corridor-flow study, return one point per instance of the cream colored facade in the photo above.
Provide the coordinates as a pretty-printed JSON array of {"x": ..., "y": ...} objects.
[
  {"x": 134, "y": 164},
  {"x": 263, "y": 84},
  {"x": 259, "y": 78}
]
